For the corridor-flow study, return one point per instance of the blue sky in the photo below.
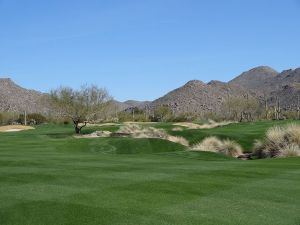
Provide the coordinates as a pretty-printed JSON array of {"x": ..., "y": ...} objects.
[{"x": 140, "y": 49}]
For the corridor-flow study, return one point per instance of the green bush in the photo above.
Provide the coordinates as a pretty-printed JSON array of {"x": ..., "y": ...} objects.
[
  {"x": 7, "y": 118},
  {"x": 138, "y": 116},
  {"x": 33, "y": 118},
  {"x": 1, "y": 119}
]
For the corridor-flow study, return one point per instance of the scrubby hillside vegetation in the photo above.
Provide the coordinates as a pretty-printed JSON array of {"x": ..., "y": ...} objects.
[{"x": 260, "y": 93}]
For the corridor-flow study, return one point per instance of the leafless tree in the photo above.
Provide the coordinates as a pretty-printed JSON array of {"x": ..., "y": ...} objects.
[{"x": 81, "y": 106}]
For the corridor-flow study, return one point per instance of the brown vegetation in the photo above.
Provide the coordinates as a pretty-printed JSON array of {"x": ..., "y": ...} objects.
[
  {"x": 213, "y": 144},
  {"x": 280, "y": 141}
]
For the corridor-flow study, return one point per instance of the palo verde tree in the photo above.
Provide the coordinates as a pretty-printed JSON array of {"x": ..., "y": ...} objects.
[{"x": 81, "y": 106}]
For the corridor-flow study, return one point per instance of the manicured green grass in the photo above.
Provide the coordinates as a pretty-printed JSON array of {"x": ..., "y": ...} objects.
[{"x": 48, "y": 177}]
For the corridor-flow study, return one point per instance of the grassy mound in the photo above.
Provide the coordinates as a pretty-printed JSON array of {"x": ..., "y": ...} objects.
[{"x": 143, "y": 145}]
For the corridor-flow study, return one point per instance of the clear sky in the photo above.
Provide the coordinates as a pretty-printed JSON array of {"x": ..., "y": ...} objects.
[{"x": 141, "y": 49}]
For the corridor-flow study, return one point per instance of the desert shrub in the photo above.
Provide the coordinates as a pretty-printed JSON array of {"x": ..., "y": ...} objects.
[
  {"x": 215, "y": 116},
  {"x": 143, "y": 132},
  {"x": 279, "y": 141},
  {"x": 290, "y": 115},
  {"x": 178, "y": 140},
  {"x": 138, "y": 116},
  {"x": 59, "y": 120},
  {"x": 210, "y": 144},
  {"x": 162, "y": 113},
  {"x": 291, "y": 151},
  {"x": 1, "y": 119},
  {"x": 38, "y": 118},
  {"x": 213, "y": 144},
  {"x": 8, "y": 118},
  {"x": 230, "y": 148},
  {"x": 183, "y": 117},
  {"x": 33, "y": 118}
]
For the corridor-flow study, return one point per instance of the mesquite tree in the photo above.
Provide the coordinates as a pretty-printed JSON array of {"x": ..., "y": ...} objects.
[
  {"x": 241, "y": 108},
  {"x": 81, "y": 106}
]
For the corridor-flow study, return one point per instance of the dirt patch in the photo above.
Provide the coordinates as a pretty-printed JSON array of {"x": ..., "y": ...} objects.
[{"x": 15, "y": 128}]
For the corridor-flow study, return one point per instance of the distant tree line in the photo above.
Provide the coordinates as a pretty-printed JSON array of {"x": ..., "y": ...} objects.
[{"x": 91, "y": 104}]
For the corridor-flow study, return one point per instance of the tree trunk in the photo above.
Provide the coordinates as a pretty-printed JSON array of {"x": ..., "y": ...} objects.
[{"x": 77, "y": 127}]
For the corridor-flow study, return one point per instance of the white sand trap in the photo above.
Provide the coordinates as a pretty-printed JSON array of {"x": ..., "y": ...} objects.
[
  {"x": 15, "y": 128},
  {"x": 101, "y": 124},
  {"x": 211, "y": 124}
]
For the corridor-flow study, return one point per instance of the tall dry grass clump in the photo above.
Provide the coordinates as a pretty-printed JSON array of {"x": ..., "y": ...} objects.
[
  {"x": 137, "y": 131},
  {"x": 213, "y": 144},
  {"x": 231, "y": 148},
  {"x": 209, "y": 144},
  {"x": 280, "y": 141}
]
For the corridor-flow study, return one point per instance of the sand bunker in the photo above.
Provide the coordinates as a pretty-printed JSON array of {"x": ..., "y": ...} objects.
[
  {"x": 15, "y": 128},
  {"x": 101, "y": 124},
  {"x": 211, "y": 124}
]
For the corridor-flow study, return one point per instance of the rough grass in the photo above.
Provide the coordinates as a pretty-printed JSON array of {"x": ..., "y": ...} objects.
[{"x": 280, "y": 141}]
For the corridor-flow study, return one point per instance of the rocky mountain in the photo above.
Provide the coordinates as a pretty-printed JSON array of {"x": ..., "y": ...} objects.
[
  {"x": 286, "y": 88},
  {"x": 14, "y": 98},
  {"x": 196, "y": 96},
  {"x": 122, "y": 106},
  {"x": 193, "y": 97},
  {"x": 260, "y": 82},
  {"x": 255, "y": 78}
]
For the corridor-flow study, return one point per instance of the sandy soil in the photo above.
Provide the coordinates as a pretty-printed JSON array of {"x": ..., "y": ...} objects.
[
  {"x": 14, "y": 128},
  {"x": 209, "y": 125},
  {"x": 116, "y": 124}
]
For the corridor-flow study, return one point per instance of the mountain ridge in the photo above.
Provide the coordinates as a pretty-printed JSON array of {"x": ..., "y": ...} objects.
[{"x": 195, "y": 96}]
